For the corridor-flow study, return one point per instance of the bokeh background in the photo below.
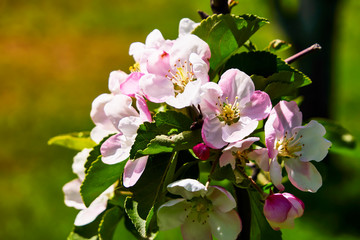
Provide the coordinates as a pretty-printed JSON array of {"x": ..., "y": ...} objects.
[{"x": 55, "y": 58}]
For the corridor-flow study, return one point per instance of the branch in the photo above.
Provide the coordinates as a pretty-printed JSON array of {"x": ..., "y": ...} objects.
[{"x": 304, "y": 52}]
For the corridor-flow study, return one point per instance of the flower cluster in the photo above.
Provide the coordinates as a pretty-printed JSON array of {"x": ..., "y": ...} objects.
[{"x": 168, "y": 103}]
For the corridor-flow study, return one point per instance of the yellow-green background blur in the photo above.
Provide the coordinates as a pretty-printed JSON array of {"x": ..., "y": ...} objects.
[{"x": 55, "y": 58}]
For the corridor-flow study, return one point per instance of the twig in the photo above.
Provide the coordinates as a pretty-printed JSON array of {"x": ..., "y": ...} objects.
[{"x": 304, "y": 52}]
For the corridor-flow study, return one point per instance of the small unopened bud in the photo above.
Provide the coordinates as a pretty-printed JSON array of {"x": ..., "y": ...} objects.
[
  {"x": 202, "y": 151},
  {"x": 281, "y": 209}
]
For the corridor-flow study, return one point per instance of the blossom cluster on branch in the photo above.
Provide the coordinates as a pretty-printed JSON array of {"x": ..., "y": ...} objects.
[{"x": 197, "y": 132}]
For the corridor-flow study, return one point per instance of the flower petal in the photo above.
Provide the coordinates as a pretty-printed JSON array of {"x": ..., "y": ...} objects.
[
  {"x": 190, "y": 96},
  {"x": 133, "y": 171},
  {"x": 131, "y": 85},
  {"x": 235, "y": 83},
  {"x": 115, "y": 149},
  {"x": 72, "y": 194},
  {"x": 115, "y": 79},
  {"x": 315, "y": 146},
  {"x": 156, "y": 88},
  {"x": 275, "y": 174},
  {"x": 261, "y": 157},
  {"x": 172, "y": 214},
  {"x": 89, "y": 214},
  {"x": 259, "y": 106},
  {"x": 303, "y": 175},
  {"x": 141, "y": 105},
  {"x": 211, "y": 133},
  {"x": 221, "y": 199},
  {"x": 227, "y": 158},
  {"x": 186, "y": 26},
  {"x": 79, "y": 162},
  {"x": 187, "y": 188},
  {"x": 238, "y": 131},
  {"x": 225, "y": 225}
]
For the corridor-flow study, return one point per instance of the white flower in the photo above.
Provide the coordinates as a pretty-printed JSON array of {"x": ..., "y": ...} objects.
[{"x": 201, "y": 213}]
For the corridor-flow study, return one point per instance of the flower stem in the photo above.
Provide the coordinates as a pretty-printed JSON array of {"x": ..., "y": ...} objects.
[{"x": 302, "y": 53}]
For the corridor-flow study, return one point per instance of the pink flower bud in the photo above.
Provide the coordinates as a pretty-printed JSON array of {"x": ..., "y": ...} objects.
[
  {"x": 281, "y": 209},
  {"x": 202, "y": 151}
]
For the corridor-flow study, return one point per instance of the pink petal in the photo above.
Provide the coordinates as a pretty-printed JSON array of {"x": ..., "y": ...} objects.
[
  {"x": 131, "y": 85},
  {"x": 157, "y": 89},
  {"x": 113, "y": 150},
  {"x": 158, "y": 63},
  {"x": 133, "y": 171},
  {"x": 211, "y": 133},
  {"x": 238, "y": 131},
  {"x": 303, "y": 175},
  {"x": 141, "y": 105},
  {"x": 227, "y": 158},
  {"x": 221, "y": 199},
  {"x": 259, "y": 106},
  {"x": 276, "y": 208},
  {"x": 242, "y": 144},
  {"x": 210, "y": 95},
  {"x": 235, "y": 83},
  {"x": 97, "y": 113},
  {"x": 261, "y": 157}
]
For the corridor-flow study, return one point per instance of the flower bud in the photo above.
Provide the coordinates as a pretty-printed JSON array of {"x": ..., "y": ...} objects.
[
  {"x": 281, "y": 209},
  {"x": 202, "y": 151}
]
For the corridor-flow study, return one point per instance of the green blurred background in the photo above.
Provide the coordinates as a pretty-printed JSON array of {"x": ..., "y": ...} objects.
[{"x": 55, "y": 58}]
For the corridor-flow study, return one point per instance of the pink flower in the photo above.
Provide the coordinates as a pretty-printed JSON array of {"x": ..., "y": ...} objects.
[
  {"x": 201, "y": 212},
  {"x": 296, "y": 145},
  {"x": 175, "y": 76},
  {"x": 281, "y": 209},
  {"x": 232, "y": 109}
]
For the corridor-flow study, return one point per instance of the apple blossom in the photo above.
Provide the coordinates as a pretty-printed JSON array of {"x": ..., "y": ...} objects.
[
  {"x": 296, "y": 145},
  {"x": 281, "y": 209},
  {"x": 201, "y": 213},
  {"x": 232, "y": 108}
]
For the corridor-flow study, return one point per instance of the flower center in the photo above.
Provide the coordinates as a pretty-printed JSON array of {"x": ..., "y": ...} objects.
[
  {"x": 289, "y": 146},
  {"x": 241, "y": 157},
  {"x": 199, "y": 210},
  {"x": 135, "y": 67},
  {"x": 182, "y": 76},
  {"x": 229, "y": 112}
]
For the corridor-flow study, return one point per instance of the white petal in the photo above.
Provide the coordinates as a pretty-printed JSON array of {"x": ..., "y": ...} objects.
[
  {"x": 315, "y": 146},
  {"x": 172, "y": 214},
  {"x": 303, "y": 175},
  {"x": 227, "y": 158},
  {"x": 190, "y": 96},
  {"x": 238, "y": 131},
  {"x": 115, "y": 79},
  {"x": 187, "y": 188},
  {"x": 156, "y": 88},
  {"x": 89, "y": 214},
  {"x": 72, "y": 194},
  {"x": 211, "y": 132},
  {"x": 115, "y": 149},
  {"x": 261, "y": 157},
  {"x": 225, "y": 226},
  {"x": 186, "y": 26},
  {"x": 79, "y": 162}
]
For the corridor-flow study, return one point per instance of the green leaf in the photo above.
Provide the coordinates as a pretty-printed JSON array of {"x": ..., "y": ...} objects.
[
  {"x": 221, "y": 173},
  {"x": 148, "y": 188},
  {"x": 88, "y": 231},
  {"x": 166, "y": 123},
  {"x": 75, "y": 236},
  {"x": 277, "y": 45},
  {"x": 175, "y": 142},
  {"x": 109, "y": 223},
  {"x": 99, "y": 177},
  {"x": 337, "y": 135},
  {"x": 141, "y": 225},
  {"x": 225, "y": 34},
  {"x": 260, "y": 228},
  {"x": 77, "y": 141}
]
